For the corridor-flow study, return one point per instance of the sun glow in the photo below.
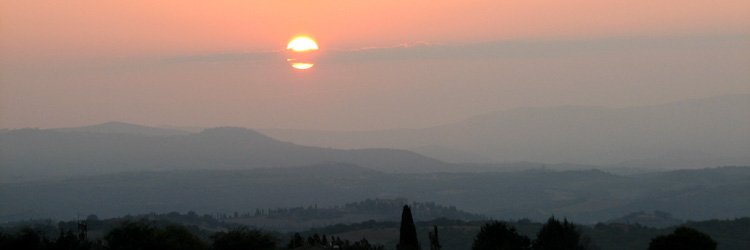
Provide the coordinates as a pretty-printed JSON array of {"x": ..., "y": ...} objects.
[
  {"x": 302, "y": 65},
  {"x": 302, "y": 44},
  {"x": 301, "y": 52}
]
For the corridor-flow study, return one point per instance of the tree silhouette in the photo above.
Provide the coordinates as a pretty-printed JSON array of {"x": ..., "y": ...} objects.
[
  {"x": 500, "y": 236},
  {"x": 408, "y": 236},
  {"x": 132, "y": 235},
  {"x": 324, "y": 241},
  {"x": 178, "y": 237},
  {"x": 69, "y": 240},
  {"x": 243, "y": 238},
  {"x": 556, "y": 235},
  {"x": 683, "y": 238},
  {"x": 27, "y": 238},
  {"x": 296, "y": 241},
  {"x": 143, "y": 235},
  {"x": 434, "y": 239}
]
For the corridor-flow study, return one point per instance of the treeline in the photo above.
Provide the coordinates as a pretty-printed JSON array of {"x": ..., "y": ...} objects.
[
  {"x": 458, "y": 235},
  {"x": 316, "y": 240},
  {"x": 149, "y": 235},
  {"x": 455, "y": 234},
  {"x": 421, "y": 210},
  {"x": 378, "y": 207},
  {"x": 200, "y": 225},
  {"x": 563, "y": 235}
]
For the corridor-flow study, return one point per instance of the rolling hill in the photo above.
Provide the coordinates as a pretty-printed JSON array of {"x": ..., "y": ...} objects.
[
  {"x": 584, "y": 196},
  {"x": 34, "y": 153},
  {"x": 688, "y": 134}
]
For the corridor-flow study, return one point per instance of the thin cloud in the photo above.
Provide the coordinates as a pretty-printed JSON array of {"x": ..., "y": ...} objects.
[
  {"x": 222, "y": 57},
  {"x": 482, "y": 51},
  {"x": 529, "y": 49}
]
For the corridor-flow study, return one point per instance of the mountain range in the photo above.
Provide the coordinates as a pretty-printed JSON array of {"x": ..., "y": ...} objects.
[
  {"x": 117, "y": 147},
  {"x": 687, "y": 134}
]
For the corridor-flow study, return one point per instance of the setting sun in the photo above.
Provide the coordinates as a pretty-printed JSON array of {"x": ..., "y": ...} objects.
[
  {"x": 302, "y": 65},
  {"x": 301, "y": 44},
  {"x": 301, "y": 52}
]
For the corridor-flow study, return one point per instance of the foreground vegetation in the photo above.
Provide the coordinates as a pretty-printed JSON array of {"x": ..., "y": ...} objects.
[{"x": 192, "y": 231}]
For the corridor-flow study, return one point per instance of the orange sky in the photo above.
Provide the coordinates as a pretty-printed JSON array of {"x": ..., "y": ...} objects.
[
  {"x": 205, "y": 63},
  {"x": 97, "y": 28}
]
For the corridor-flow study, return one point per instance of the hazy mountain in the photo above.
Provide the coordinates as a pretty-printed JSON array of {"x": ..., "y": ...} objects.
[
  {"x": 692, "y": 133},
  {"x": 34, "y": 153},
  {"x": 452, "y": 155},
  {"x": 124, "y": 128},
  {"x": 304, "y": 217},
  {"x": 583, "y": 196},
  {"x": 656, "y": 219}
]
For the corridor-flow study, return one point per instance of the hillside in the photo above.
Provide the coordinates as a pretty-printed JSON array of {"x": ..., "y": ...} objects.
[
  {"x": 657, "y": 219},
  {"x": 32, "y": 153},
  {"x": 302, "y": 218},
  {"x": 692, "y": 133},
  {"x": 584, "y": 196},
  {"x": 123, "y": 128}
]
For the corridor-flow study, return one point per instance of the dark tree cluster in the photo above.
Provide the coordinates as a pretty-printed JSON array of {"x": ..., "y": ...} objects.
[
  {"x": 243, "y": 238},
  {"x": 554, "y": 235},
  {"x": 29, "y": 238},
  {"x": 317, "y": 241},
  {"x": 683, "y": 238},
  {"x": 368, "y": 206},
  {"x": 144, "y": 235},
  {"x": 500, "y": 236},
  {"x": 563, "y": 235},
  {"x": 149, "y": 235},
  {"x": 137, "y": 235}
]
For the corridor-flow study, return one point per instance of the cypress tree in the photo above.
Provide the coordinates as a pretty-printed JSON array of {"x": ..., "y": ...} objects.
[
  {"x": 408, "y": 237},
  {"x": 556, "y": 235}
]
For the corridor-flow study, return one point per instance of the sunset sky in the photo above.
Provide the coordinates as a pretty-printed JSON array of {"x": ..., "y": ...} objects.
[{"x": 381, "y": 64}]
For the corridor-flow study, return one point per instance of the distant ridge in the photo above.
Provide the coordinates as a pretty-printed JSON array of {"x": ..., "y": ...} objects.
[
  {"x": 686, "y": 134},
  {"x": 586, "y": 196},
  {"x": 658, "y": 219},
  {"x": 115, "y": 127},
  {"x": 304, "y": 217},
  {"x": 118, "y": 147},
  {"x": 238, "y": 136}
]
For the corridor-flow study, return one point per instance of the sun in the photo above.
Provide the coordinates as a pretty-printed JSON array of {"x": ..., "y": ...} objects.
[
  {"x": 301, "y": 52},
  {"x": 302, "y": 66},
  {"x": 302, "y": 44}
]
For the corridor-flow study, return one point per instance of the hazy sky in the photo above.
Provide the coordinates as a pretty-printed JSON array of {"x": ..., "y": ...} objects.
[{"x": 382, "y": 64}]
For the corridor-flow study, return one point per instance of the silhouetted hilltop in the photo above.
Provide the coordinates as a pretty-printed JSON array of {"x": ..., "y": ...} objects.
[
  {"x": 657, "y": 219},
  {"x": 692, "y": 133},
  {"x": 304, "y": 217},
  {"x": 705, "y": 176},
  {"x": 35, "y": 153},
  {"x": 124, "y": 128},
  {"x": 326, "y": 169},
  {"x": 586, "y": 196},
  {"x": 236, "y": 135}
]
